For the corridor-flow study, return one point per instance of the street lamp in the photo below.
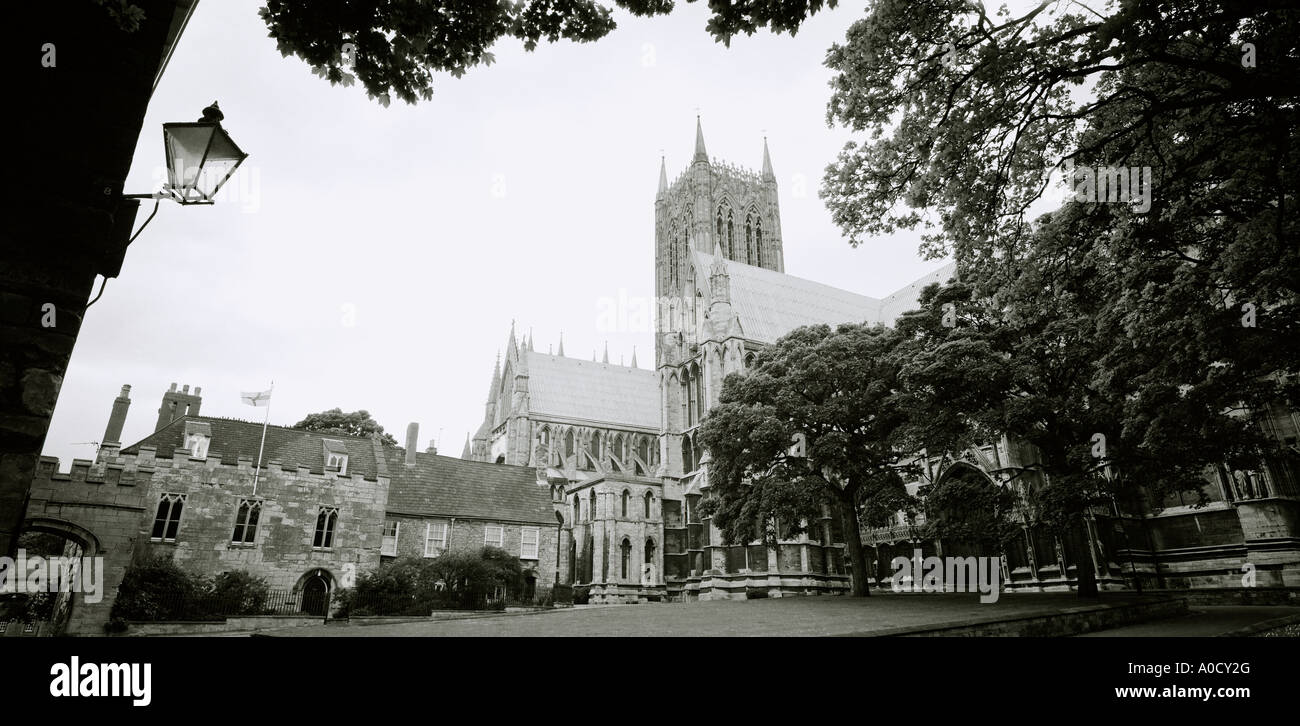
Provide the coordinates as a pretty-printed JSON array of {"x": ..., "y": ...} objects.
[{"x": 201, "y": 157}]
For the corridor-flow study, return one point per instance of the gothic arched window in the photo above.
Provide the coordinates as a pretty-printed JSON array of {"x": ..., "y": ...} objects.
[
  {"x": 697, "y": 400},
  {"x": 648, "y": 500},
  {"x": 649, "y": 550},
  {"x": 731, "y": 237},
  {"x": 626, "y": 496},
  {"x": 758, "y": 242},
  {"x": 568, "y": 442},
  {"x": 593, "y": 447},
  {"x": 591, "y": 510},
  {"x": 688, "y": 455},
  {"x": 749, "y": 239},
  {"x": 686, "y": 397},
  {"x": 672, "y": 254},
  {"x": 626, "y": 547}
]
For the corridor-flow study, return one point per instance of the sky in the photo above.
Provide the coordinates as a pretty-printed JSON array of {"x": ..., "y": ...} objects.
[{"x": 374, "y": 258}]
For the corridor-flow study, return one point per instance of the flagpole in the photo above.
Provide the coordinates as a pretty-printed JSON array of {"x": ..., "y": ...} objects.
[{"x": 261, "y": 447}]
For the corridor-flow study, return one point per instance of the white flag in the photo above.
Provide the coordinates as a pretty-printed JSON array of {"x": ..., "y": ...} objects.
[{"x": 259, "y": 398}]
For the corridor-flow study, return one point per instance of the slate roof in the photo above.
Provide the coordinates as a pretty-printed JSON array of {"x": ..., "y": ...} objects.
[
  {"x": 572, "y": 388},
  {"x": 233, "y": 438},
  {"x": 771, "y": 304},
  {"x": 443, "y": 486}
]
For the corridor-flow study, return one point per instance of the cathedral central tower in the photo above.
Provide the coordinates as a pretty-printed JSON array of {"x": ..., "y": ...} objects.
[{"x": 715, "y": 205}]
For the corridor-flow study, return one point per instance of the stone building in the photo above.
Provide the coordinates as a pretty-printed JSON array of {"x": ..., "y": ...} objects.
[
  {"x": 439, "y": 503},
  {"x": 308, "y": 521},
  {"x": 594, "y": 430}
]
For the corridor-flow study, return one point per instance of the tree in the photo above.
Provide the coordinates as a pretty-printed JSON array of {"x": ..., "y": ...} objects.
[
  {"x": 809, "y": 427},
  {"x": 334, "y": 421},
  {"x": 966, "y": 114},
  {"x": 1035, "y": 361},
  {"x": 395, "y": 47}
]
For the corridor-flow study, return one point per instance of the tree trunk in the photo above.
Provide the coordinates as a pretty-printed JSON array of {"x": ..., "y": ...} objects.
[
  {"x": 853, "y": 545},
  {"x": 1082, "y": 555}
]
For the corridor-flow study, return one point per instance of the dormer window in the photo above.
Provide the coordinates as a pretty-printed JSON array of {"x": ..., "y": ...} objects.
[
  {"x": 198, "y": 434},
  {"x": 336, "y": 457}
]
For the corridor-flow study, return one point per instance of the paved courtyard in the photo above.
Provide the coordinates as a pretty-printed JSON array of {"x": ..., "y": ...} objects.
[{"x": 795, "y": 616}]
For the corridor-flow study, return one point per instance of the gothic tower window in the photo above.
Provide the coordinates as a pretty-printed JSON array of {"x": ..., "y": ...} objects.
[
  {"x": 719, "y": 237},
  {"x": 731, "y": 237},
  {"x": 591, "y": 507},
  {"x": 692, "y": 394},
  {"x": 649, "y": 551},
  {"x": 686, "y": 396},
  {"x": 688, "y": 455},
  {"x": 749, "y": 239},
  {"x": 758, "y": 242},
  {"x": 626, "y": 497},
  {"x": 626, "y": 548},
  {"x": 697, "y": 396},
  {"x": 568, "y": 442},
  {"x": 648, "y": 500}
]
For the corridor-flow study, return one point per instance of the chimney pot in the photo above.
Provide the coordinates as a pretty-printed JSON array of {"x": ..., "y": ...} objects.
[{"x": 412, "y": 442}]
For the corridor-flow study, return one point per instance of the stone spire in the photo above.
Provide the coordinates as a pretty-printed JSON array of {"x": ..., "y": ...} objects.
[
  {"x": 512, "y": 347},
  {"x": 663, "y": 177},
  {"x": 634, "y": 356},
  {"x": 606, "y": 358},
  {"x": 530, "y": 339},
  {"x": 700, "y": 153},
  {"x": 767, "y": 163},
  {"x": 496, "y": 378},
  {"x": 560, "y": 352},
  {"x": 466, "y": 453}
]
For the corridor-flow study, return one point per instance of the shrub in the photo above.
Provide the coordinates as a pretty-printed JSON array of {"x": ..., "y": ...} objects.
[
  {"x": 581, "y": 594},
  {"x": 156, "y": 589},
  {"x": 755, "y": 593},
  {"x": 239, "y": 593},
  {"x": 115, "y": 625}
]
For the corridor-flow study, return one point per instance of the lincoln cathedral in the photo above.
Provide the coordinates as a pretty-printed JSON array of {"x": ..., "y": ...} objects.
[{"x": 616, "y": 444}]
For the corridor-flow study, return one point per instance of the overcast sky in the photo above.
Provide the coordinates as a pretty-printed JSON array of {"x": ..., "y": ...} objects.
[{"x": 524, "y": 190}]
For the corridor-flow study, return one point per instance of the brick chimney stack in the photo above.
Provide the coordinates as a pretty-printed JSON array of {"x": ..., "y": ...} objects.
[
  {"x": 117, "y": 419},
  {"x": 412, "y": 442},
  {"x": 176, "y": 404}
]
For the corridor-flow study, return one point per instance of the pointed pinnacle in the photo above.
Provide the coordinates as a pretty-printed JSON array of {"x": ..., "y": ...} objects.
[{"x": 700, "y": 153}]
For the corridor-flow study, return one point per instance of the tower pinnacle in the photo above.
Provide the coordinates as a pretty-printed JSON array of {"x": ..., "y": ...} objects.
[
  {"x": 663, "y": 177},
  {"x": 767, "y": 163},
  {"x": 700, "y": 153}
]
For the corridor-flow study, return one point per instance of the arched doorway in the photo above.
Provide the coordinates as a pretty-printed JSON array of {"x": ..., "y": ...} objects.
[
  {"x": 315, "y": 587},
  {"x": 62, "y": 545},
  {"x": 530, "y": 586}
]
